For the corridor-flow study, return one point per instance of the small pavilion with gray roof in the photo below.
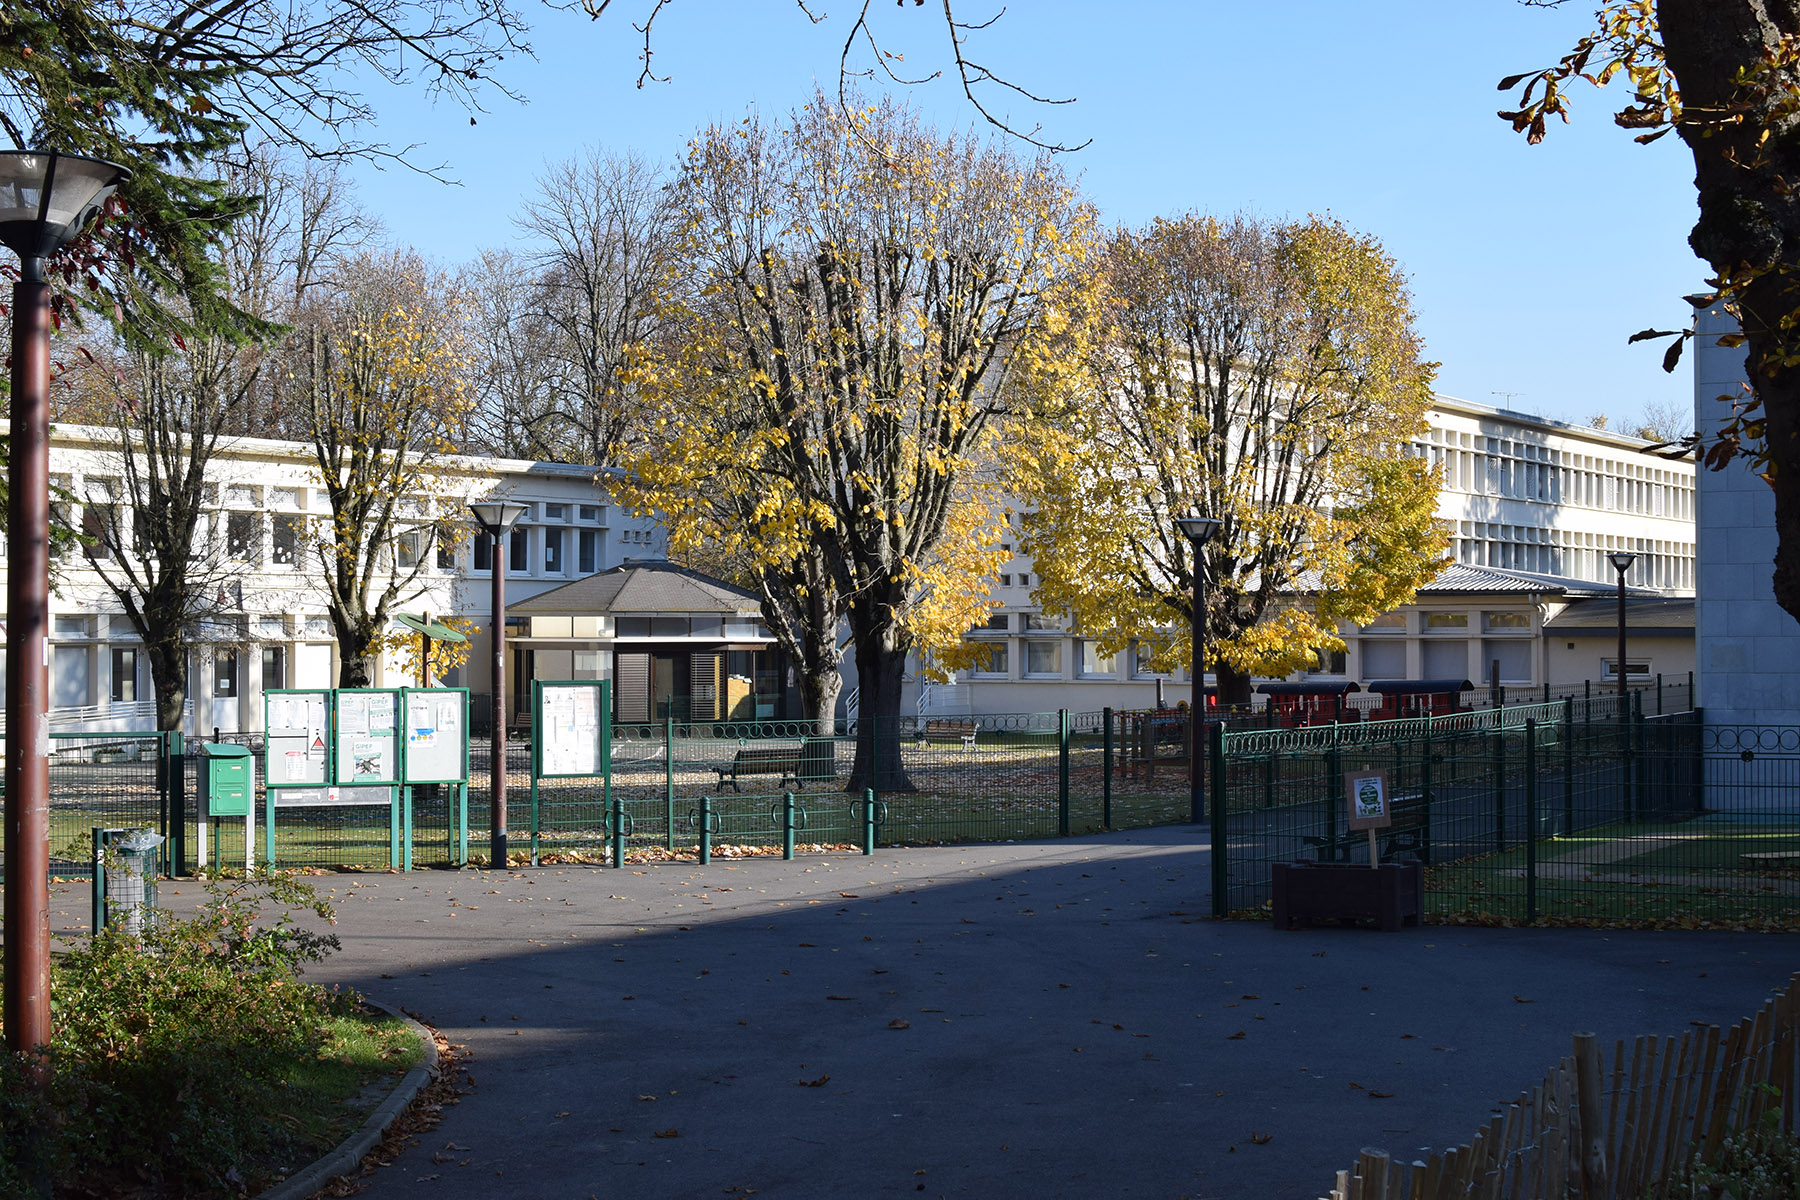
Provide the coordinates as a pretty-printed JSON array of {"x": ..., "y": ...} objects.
[{"x": 676, "y": 643}]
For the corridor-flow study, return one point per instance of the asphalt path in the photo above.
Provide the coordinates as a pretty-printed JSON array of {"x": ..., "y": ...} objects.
[{"x": 1043, "y": 1019}]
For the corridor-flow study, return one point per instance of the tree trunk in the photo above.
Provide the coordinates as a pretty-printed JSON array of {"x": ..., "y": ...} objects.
[
  {"x": 1234, "y": 686},
  {"x": 168, "y": 679},
  {"x": 819, "y": 692},
  {"x": 356, "y": 650},
  {"x": 880, "y": 671},
  {"x": 354, "y": 671},
  {"x": 1750, "y": 217}
]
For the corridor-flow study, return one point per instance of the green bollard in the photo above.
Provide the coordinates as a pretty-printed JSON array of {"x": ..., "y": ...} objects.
[
  {"x": 618, "y": 831},
  {"x": 868, "y": 820},
  {"x": 787, "y": 826},
  {"x": 535, "y": 818}
]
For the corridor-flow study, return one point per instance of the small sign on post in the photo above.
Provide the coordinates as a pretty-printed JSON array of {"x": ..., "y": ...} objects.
[{"x": 1366, "y": 803}]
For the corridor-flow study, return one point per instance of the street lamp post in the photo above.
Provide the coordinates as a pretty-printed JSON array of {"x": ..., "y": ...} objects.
[
  {"x": 495, "y": 518},
  {"x": 1199, "y": 531},
  {"x": 46, "y": 200},
  {"x": 1621, "y": 561}
]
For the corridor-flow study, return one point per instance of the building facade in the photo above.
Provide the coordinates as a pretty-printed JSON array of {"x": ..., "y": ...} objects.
[
  {"x": 265, "y": 622},
  {"x": 1534, "y": 507}
]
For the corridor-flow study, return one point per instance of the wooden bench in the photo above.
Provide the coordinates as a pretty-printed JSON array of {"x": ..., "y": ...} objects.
[
  {"x": 813, "y": 759},
  {"x": 944, "y": 730},
  {"x": 1405, "y": 836},
  {"x": 1772, "y": 858},
  {"x": 761, "y": 760}
]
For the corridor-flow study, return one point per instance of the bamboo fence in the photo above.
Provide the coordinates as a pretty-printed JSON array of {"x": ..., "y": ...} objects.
[{"x": 1589, "y": 1134}]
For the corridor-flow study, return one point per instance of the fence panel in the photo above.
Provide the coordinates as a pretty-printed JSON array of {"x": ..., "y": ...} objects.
[
  {"x": 1597, "y": 810},
  {"x": 112, "y": 780},
  {"x": 1617, "y": 815},
  {"x": 1663, "y": 1104}
]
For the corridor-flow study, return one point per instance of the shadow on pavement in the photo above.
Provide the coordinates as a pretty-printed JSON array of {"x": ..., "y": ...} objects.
[{"x": 1050, "y": 1019}]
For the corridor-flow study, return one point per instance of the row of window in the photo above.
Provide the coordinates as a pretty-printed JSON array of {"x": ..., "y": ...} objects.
[
  {"x": 549, "y": 545},
  {"x": 1483, "y": 465},
  {"x": 1449, "y": 620},
  {"x": 1668, "y": 565},
  {"x": 554, "y": 555},
  {"x": 110, "y": 489},
  {"x": 1043, "y": 658},
  {"x": 1026, "y": 622},
  {"x": 226, "y": 672}
]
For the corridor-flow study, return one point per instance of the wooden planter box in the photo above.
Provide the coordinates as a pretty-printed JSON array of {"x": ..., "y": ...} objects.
[{"x": 1391, "y": 895}]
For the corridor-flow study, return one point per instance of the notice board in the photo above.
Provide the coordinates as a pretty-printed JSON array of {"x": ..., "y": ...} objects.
[
  {"x": 571, "y": 727},
  {"x": 297, "y": 738},
  {"x": 435, "y": 733},
  {"x": 368, "y": 738}
]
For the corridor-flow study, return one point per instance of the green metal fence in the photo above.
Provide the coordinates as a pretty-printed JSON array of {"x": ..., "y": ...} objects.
[
  {"x": 1575, "y": 810},
  {"x": 115, "y": 780}
]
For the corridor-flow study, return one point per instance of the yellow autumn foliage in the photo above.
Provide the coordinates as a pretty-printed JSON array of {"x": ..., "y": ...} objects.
[
  {"x": 1265, "y": 374},
  {"x": 859, "y": 299}
]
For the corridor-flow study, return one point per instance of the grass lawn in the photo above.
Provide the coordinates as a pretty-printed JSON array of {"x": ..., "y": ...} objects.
[
  {"x": 1685, "y": 874},
  {"x": 365, "y": 1052}
]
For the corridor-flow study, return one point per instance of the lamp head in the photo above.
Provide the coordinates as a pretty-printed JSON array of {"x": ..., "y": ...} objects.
[
  {"x": 46, "y": 200},
  {"x": 1621, "y": 561},
  {"x": 496, "y": 516},
  {"x": 1199, "y": 530}
]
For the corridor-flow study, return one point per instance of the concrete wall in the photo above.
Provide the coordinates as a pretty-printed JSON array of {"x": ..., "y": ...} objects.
[{"x": 1747, "y": 646}]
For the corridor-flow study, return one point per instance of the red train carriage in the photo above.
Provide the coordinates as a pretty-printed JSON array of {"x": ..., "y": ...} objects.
[
  {"x": 1309, "y": 703},
  {"x": 1419, "y": 697}
]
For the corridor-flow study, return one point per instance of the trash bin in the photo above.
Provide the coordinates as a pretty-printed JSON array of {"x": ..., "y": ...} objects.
[{"x": 124, "y": 878}]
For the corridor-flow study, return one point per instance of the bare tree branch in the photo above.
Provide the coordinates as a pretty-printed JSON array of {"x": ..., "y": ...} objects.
[{"x": 969, "y": 72}]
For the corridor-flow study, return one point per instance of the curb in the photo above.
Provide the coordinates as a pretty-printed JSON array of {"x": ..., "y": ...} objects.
[{"x": 350, "y": 1152}]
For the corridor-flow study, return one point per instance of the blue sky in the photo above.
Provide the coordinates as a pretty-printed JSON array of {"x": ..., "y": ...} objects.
[{"x": 1530, "y": 265}]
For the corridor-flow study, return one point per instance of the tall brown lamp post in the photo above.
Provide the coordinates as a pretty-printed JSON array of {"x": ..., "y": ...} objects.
[
  {"x": 496, "y": 517},
  {"x": 46, "y": 200}
]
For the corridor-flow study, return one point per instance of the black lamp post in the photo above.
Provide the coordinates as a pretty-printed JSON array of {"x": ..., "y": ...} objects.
[
  {"x": 1199, "y": 531},
  {"x": 495, "y": 518},
  {"x": 46, "y": 200},
  {"x": 1621, "y": 561}
]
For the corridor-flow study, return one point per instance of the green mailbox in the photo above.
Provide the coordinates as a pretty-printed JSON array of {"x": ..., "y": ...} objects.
[{"x": 227, "y": 779}]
